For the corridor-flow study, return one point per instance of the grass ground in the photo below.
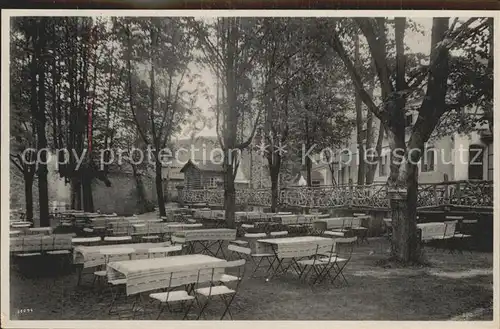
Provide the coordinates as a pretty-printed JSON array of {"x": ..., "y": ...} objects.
[{"x": 452, "y": 285}]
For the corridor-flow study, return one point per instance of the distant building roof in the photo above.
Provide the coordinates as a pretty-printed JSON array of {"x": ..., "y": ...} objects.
[
  {"x": 203, "y": 166},
  {"x": 214, "y": 167}
]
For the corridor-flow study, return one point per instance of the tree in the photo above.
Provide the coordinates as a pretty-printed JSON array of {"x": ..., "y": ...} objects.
[
  {"x": 397, "y": 88},
  {"x": 229, "y": 46},
  {"x": 22, "y": 127},
  {"x": 165, "y": 48}
]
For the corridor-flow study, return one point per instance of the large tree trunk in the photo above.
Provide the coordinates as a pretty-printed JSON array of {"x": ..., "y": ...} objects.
[
  {"x": 88, "y": 202},
  {"x": 405, "y": 240},
  {"x": 359, "y": 122},
  {"x": 28, "y": 195},
  {"x": 229, "y": 196},
  {"x": 308, "y": 171},
  {"x": 159, "y": 187},
  {"x": 139, "y": 186},
  {"x": 43, "y": 190},
  {"x": 274, "y": 173}
]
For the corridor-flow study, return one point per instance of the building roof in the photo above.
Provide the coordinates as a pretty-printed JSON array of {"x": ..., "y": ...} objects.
[
  {"x": 209, "y": 166},
  {"x": 203, "y": 166}
]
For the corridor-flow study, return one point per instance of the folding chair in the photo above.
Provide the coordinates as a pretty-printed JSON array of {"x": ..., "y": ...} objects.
[
  {"x": 111, "y": 256},
  {"x": 176, "y": 240},
  {"x": 59, "y": 252},
  {"x": 341, "y": 232},
  {"x": 172, "y": 296},
  {"x": 244, "y": 227},
  {"x": 338, "y": 261},
  {"x": 465, "y": 232},
  {"x": 312, "y": 263},
  {"x": 258, "y": 257},
  {"x": 226, "y": 294},
  {"x": 449, "y": 232}
]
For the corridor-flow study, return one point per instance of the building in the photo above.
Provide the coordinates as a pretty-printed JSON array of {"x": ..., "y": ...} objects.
[
  {"x": 456, "y": 157},
  {"x": 199, "y": 175},
  {"x": 203, "y": 154}
]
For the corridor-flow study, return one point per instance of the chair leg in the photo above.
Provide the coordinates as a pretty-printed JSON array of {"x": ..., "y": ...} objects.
[
  {"x": 228, "y": 304},
  {"x": 187, "y": 310},
  {"x": 203, "y": 308}
]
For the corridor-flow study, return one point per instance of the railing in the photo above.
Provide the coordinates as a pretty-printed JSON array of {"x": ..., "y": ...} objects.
[{"x": 471, "y": 193}]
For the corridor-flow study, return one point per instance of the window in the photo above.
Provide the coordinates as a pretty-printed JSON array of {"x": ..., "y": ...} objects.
[
  {"x": 408, "y": 120},
  {"x": 428, "y": 162},
  {"x": 476, "y": 162},
  {"x": 212, "y": 182}
]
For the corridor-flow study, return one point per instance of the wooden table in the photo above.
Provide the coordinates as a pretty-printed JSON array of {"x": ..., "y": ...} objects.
[
  {"x": 294, "y": 248},
  {"x": 206, "y": 238},
  {"x": 149, "y": 274},
  {"x": 91, "y": 256}
]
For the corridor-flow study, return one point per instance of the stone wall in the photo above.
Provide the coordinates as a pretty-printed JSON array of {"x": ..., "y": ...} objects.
[{"x": 121, "y": 196}]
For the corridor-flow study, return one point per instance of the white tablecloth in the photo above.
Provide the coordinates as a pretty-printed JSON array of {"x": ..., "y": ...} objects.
[
  {"x": 300, "y": 246},
  {"x": 149, "y": 274},
  {"x": 432, "y": 230},
  {"x": 337, "y": 222},
  {"x": 38, "y": 243},
  {"x": 213, "y": 234},
  {"x": 91, "y": 256}
]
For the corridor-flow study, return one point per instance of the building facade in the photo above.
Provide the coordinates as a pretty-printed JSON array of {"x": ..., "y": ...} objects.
[{"x": 453, "y": 157}]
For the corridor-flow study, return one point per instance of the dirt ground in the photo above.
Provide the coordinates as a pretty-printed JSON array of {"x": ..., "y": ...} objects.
[{"x": 458, "y": 286}]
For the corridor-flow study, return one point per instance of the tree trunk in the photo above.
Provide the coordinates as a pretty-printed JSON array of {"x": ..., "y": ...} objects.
[
  {"x": 88, "y": 202},
  {"x": 274, "y": 188},
  {"x": 159, "y": 187},
  {"x": 229, "y": 196},
  {"x": 405, "y": 240},
  {"x": 141, "y": 195},
  {"x": 359, "y": 122},
  {"x": 28, "y": 195},
  {"x": 308, "y": 171},
  {"x": 370, "y": 175},
  {"x": 76, "y": 194},
  {"x": 43, "y": 190}
]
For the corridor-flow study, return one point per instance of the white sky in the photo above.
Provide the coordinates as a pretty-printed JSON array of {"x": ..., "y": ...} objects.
[{"x": 417, "y": 42}]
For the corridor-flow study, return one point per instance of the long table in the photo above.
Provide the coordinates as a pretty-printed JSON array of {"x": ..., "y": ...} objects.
[
  {"x": 294, "y": 248},
  {"x": 91, "y": 256},
  {"x": 149, "y": 274},
  {"x": 338, "y": 222},
  {"x": 207, "y": 238},
  {"x": 39, "y": 243}
]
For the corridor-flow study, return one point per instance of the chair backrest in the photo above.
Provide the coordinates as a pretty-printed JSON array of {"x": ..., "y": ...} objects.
[
  {"x": 450, "y": 228},
  {"x": 176, "y": 239},
  {"x": 239, "y": 250},
  {"x": 255, "y": 235},
  {"x": 345, "y": 246},
  {"x": 279, "y": 233}
]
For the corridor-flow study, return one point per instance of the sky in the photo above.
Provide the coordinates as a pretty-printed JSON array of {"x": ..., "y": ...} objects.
[{"x": 417, "y": 42}]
